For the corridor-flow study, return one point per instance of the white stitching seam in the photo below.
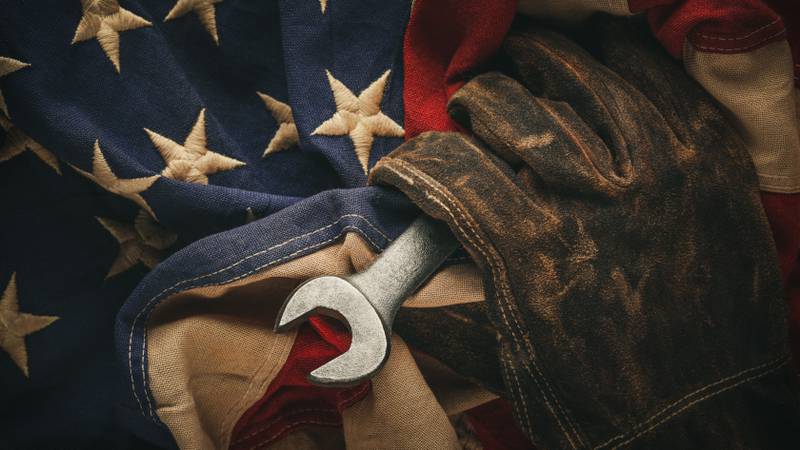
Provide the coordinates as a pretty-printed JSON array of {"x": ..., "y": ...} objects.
[
  {"x": 740, "y": 38},
  {"x": 413, "y": 172},
  {"x": 147, "y": 305},
  {"x": 684, "y": 407},
  {"x": 747, "y": 47},
  {"x": 289, "y": 256},
  {"x": 654, "y": 417},
  {"x": 505, "y": 296},
  {"x": 510, "y": 369},
  {"x": 144, "y": 334},
  {"x": 346, "y": 228}
]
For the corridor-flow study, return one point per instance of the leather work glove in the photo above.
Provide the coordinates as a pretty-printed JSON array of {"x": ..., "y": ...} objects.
[{"x": 628, "y": 266}]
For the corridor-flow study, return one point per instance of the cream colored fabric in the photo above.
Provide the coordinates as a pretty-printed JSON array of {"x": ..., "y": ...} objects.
[
  {"x": 757, "y": 89},
  {"x": 454, "y": 393},
  {"x": 413, "y": 404},
  {"x": 16, "y": 325},
  {"x": 571, "y": 11},
  {"x": 400, "y": 412},
  {"x": 433, "y": 398},
  {"x": 201, "y": 343},
  {"x": 209, "y": 360},
  {"x": 454, "y": 285}
]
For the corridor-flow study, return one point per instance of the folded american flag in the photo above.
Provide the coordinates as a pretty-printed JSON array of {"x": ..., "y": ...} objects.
[{"x": 237, "y": 136}]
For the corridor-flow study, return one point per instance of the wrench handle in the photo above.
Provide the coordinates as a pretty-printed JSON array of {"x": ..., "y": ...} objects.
[{"x": 404, "y": 266}]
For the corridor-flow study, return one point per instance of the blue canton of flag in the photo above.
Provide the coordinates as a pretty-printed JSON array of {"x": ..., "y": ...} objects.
[{"x": 133, "y": 128}]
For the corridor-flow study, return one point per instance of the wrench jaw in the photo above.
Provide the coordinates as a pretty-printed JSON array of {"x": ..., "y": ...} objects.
[
  {"x": 337, "y": 298},
  {"x": 315, "y": 296},
  {"x": 358, "y": 363}
]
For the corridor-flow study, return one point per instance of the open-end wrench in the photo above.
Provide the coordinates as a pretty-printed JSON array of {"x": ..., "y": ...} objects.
[{"x": 368, "y": 301}]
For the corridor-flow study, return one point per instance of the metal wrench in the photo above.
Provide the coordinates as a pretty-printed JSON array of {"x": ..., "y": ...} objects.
[{"x": 368, "y": 301}]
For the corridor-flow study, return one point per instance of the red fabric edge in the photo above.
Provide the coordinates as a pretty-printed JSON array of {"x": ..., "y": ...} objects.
[
  {"x": 444, "y": 42},
  {"x": 716, "y": 26},
  {"x": 291, "y": 401}
]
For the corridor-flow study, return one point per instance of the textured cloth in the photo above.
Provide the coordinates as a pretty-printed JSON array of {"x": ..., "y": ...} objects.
[
  {"x": 737, "y": 50},
  {"x": 99, "y": 185},
  {"x": 604, "y": 204},
  {"x": 170, "y": 123},
  {"x": 790, "y": 15},
  {"x": 204, "y": 379},
  {"x": 756, "y": 89},
  {"x": 444, "y": 43}
]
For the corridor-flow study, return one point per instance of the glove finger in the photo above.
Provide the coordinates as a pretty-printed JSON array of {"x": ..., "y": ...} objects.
[
  {"x": 627, "y": 47},
  {"x": 556, "y": 68},
  {"x": 559, "y": 147},
  {"x": 434, "y": 164}
]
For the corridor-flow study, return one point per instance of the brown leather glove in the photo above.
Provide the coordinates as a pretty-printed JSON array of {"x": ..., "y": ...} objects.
[{"x": 628, "y": 265}]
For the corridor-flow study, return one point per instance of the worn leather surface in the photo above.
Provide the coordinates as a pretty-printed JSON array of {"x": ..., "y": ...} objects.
[
  {"x": 460, "y": 336},
  {"x": 628, "y": 266}
]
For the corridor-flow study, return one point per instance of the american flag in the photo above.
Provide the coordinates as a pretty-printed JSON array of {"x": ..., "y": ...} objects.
[{"x": 151, "y": 148}]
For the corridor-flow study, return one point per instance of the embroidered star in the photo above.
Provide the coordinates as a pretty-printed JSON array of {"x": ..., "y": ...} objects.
[
  {"x": 17, "y": 142},
  {"x": 359, "y": 117},
  {"x": 14, "y": 326},
  {"x": 104, "y": 20},
  {"x": 204, "y": 9},
  {"x": 7, "y": 66},
  {"x": 286, "y": 136},
  {"x": 192, "y": 161},
  {"x": 322, "y": 5},
  {"x": 145, "y": 241},
  {"x": 129, "y": 188}
]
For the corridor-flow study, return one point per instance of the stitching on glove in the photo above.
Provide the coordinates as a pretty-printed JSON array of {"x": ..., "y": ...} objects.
[
  {"x": 782, "y": 361},
  {"x": 614, "y": 180},
  {"x": 509, "y": 368},
  {"x": 683, "y": 404},
  {"x": 495, "y": 263},
  {"x": 499, "y": 281}
]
